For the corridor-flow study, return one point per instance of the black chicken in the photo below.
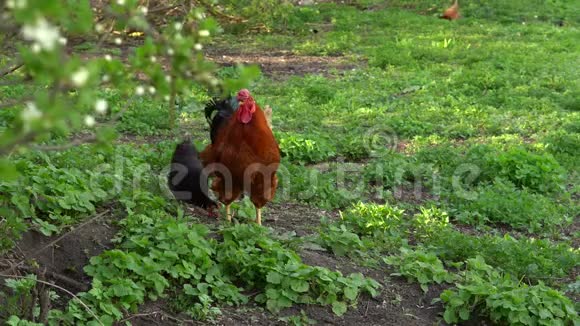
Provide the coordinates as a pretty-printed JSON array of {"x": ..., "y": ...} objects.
[{"x": 187, "y": 179}]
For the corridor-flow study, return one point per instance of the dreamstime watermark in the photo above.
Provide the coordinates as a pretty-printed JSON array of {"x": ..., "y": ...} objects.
[
  {"x": 378, "y": 180},
  {"x": 348, "y": 181},
  {"x": 378, "y": 139}
]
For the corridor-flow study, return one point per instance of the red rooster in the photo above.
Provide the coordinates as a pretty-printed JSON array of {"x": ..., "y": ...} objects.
[
  {"x": 244, "y": 157},
  {"x": 451, "y": 13}
]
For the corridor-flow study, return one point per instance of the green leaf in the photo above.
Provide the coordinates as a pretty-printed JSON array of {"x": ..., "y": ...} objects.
[
  {"x": 13, "y": 321},
  {"x": 545, "y": 313},
  {"x": 274, "y": 277},
  {"x": 273, "y": 305},
  {"x": 351, "y": 293},
  {"x": 272, "y": 294},
  {"x": 464, "y": 313},
  {"x": 456, "y": 301},
  {"x": 450, "y": 316},
  {"x": 339, "y": 308},
  {"x": 8, "y": 171},
  {"x": 299, "y": 286}
]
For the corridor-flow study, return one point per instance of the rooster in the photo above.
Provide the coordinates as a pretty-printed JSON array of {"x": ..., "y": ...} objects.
[
  {"x": 187, "y": 180},
  {"x": 245, "y": 147},
  {"x": 451, "y": 13}
]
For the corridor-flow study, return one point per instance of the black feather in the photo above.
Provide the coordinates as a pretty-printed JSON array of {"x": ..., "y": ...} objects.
[
  {"x": 186, "y": 176},
  {"x": 224, "y": 109}
]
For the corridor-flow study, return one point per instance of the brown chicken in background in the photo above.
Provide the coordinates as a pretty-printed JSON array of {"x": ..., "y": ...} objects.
[
  {"x": 451, "y": 13},
  {"x": 246, "y": 148}
]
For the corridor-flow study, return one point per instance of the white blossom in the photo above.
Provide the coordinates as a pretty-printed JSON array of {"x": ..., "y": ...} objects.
[
  {"x": 167, "y": 98},
  {"x": 168, "y": 78},
  {"x": 144, "y": 10},
  {"x": 151, "y": 89},
  {"x": 153, "y": 59},
  {"x": 121, "y": 2},
  {"x": 90, "y": 120},
  {"x": 199, "y": 15},
  {"x": 106, "y": 78},
  {"x": 118, "y": 41},
  {"x": 178, "y": 26},
  {"x": 101, "y": 106},
  {"x": 16, "y": 4},
  {"x": 99, "y": 28},
  {"x": 31, "y": 112},
  {"x": 204, "y": 33},
  {"x": 62, "y": 40},
  {"x": 198, "y": 46},
  {"x": 170, "y": 51},
  {"x": 140, "y": 90},
  {"x": 42, "y": 33},
  {"x": 36, "y": 48},
  {"x": 108, "y": 57},
  {"x": 80, "y": 77}
]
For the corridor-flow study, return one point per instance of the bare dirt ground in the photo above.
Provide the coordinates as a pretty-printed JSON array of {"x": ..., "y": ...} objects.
[{"x": 283, "y": 65}]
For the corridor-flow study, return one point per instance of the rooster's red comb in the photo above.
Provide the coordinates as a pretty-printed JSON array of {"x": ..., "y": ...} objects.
[{"x": 244, "y": 94}]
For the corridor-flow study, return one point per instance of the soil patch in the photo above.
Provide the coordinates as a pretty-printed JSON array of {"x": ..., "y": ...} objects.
[
  {"x": 63, "y": 256},
  {"x": 283, "y": 65}
]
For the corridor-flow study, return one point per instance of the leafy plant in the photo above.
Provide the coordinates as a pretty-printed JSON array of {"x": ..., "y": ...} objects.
[
  {"x": 533, "y": 259},
  {"x": 487, "y": 291},
  {"x": 261, "y": 262},
  {"x": 419, "y": 265},
  {"x": 429, "y": 222},
  {"x": 320, "y": 188},
  {"x": 340, "y": 240},
  {"x": 299, "y": 320},
  {"x": 19, "y": 300},
  {"x": 365, "y": 219},
  {"x": 503, "y": 203},
  {"x": 303, "y": 150},
  {"x": 538, "y": 172}
]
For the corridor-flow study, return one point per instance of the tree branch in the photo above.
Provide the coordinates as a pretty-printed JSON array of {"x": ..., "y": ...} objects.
[
  {"x": 9, "y": 70},
  {"x": 220, "y": 14},
  {"x": 4, "y": 149},
  {"x": 11, "y": 103},
  {"x": 59, "y": 277},
  {"x": 88, "y": 140}
]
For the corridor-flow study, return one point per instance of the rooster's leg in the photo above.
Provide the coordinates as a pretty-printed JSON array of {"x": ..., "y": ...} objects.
[
  {"x": 259, "y": 216},
  {"x": 228, "y": 214}
]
